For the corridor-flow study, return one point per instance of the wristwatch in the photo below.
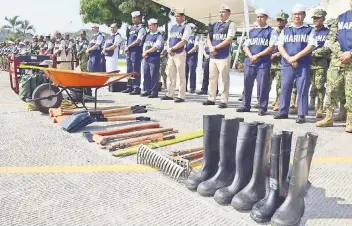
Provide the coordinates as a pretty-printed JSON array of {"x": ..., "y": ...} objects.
[{"x": 172, "y": 50}]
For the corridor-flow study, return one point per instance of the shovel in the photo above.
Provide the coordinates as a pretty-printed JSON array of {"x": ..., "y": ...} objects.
[{"x": 81, "y": 119}]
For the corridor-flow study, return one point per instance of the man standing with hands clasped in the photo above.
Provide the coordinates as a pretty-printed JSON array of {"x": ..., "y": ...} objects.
[
  {"x": 219, "y": 42},
  {"x": 296, "y": 43},
  {"x": 176, "y": 64},
  {"x": 111, "y": 49},
  {"x": 258, "y": 49},
  {"x": 153, "y": 45}
]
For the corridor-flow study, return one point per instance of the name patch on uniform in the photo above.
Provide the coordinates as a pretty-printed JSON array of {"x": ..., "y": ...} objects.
[
  {"x": 149, "y": 43},
  {"x": 219, "y": 37},
  {"x": 296, "y": 38},
  {"x": 345, "y": 26},
  {"x": 258, "y": 42},
  {"x": 321, "y": 38},
  {"x": 176, "y": 35}
]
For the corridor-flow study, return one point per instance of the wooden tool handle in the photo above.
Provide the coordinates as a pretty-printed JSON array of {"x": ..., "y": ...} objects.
[
  {"x": 118, "y": 119},
  {"x": 127, "y": 129},
  {"x": 126, "y": 112},
  {"x": 193, "y": 156},
  {"x": 134, "y": 140},
  {"x": 105, "y": 140},
  {"x": 186, "y": 151}
]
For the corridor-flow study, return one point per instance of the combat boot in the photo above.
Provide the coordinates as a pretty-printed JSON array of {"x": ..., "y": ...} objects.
[
  {"x": 292, "y": 209},
  {"x": 255, "y": 189},
  {"x": 348, "y": 128},
  {"x": 246, "y": 141},
  {"x": 277, "y": 105},
  {"x": 226, "y": 172},
  {"x": 211, "y": 137},
  {"x": 319, "y": 110},
  {"x": 342, "y": 115},
  {"x": 311, "y": 105},
  {"x": 328, "y": 121}
]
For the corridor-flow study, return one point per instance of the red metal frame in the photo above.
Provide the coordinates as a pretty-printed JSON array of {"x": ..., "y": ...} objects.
[{"x": 13, "y": 65}]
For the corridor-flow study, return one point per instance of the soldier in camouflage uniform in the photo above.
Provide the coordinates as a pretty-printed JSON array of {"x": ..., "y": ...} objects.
[
  {"x": 163, "y": 64},
  {"x": 275, "y": 69},
  {"x": 35, "y": 48},
  {"x": 81, "y": 52},
  {"x": 339, "y": 75},
  {"x": 320, "y": 63},
  {"x": 41, "y": 43}
]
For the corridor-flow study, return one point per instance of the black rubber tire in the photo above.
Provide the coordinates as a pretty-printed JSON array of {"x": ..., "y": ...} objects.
[{"x": 46, "y": 90}]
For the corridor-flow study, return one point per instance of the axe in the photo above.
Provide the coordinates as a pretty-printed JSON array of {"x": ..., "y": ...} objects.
[
  {"x": 58, "y": 111},
  {"x": 123, "y": 129},
  {"x": 105, "y": 140}
]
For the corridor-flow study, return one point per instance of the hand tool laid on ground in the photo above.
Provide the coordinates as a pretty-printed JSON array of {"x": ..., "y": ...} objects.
[
  {"x": 179, "y": 138},
  {"x": 147, "y": 156},
  {"x": 186, "y": 151},
  {"x": 188, "y": 161},
  {"x": 79, "y": 120},
  {"x": 122, "y": 129},
  {"x": 134, "y": 109},
  {"x": 104, "y": 140},
  {"x": 150, "y": 138}
]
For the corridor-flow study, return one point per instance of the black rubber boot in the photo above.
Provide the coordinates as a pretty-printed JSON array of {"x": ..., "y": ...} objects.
[
  {"x": 226, "y": 172},
  {"x": 284, "y": 163},
  {"x": 211, "y": 128},
  {"x": 292, "y": 209},
  {"x": 263, "y": 210},
  {"x": 313, "y": 137},
  {"x": 247, "y": 136},
  {"x": 255, "y": 189}
]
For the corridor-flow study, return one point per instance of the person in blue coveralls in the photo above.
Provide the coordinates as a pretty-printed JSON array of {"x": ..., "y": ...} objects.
[
  {"x": 192, "y": 58},
  {"x": 135, "y": 36},
  {"x": 296, "y": 43},
  {"x": 258, "y": 48},
  {"x": 153, "y": 46},
  {"x": 94, "y": 50}
]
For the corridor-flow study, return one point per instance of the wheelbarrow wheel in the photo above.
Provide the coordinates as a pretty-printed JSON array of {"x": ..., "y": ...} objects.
[{"x": 45, "y": 90}]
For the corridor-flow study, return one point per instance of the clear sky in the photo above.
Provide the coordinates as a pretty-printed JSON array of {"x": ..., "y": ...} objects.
[{"x": 47, "y": 16}]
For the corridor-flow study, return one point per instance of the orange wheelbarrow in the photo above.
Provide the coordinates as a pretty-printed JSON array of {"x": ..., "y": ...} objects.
[{"x": 49, "y": 95}]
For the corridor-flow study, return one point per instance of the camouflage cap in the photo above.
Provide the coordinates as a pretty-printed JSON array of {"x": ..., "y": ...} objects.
[
  {"x": 319, "y": 13},
  {"x": 282, "y": 15}
]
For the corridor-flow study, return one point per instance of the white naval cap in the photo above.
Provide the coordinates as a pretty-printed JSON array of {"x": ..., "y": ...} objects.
[
  {"x": 192, "y": 25},
  {"x": 95, "y": 25},
  {"x": 262, "y": 11},
  {"x": 136, "y": 13},
  {"x": 299, "y": 8},
  {"x": 179, "y": 10},
  {"x": 21, "y": 43},
  {"x": 152, "y": 21},
  {"x": 224, "y": 6}
]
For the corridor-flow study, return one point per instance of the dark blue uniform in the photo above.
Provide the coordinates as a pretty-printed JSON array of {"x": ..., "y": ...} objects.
[
  {"x": 191, "y": 63},
  {"x": 134, "y": 58},
  {"x": 94, "y": 62},
  {"x": 152, "y": 63},
  {"x": 296, "y": 39},
  {"x": 205, "y": 83},
  {"x": 259, "y": 40}
]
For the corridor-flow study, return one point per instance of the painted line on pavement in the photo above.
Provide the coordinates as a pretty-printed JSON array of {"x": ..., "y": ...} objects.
[{"x": 124, "y": 168}]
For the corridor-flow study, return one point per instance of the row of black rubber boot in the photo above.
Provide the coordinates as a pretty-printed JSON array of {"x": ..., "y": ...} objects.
[{"x": 237, "y": 158}]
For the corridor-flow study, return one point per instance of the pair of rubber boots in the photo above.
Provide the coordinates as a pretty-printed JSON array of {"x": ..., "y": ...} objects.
[
  {"x": 236, "y": 164},
  {"x": 276, "y": 207}
]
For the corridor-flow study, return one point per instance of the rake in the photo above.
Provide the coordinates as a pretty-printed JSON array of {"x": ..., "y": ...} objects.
[
  {"x": 175, "y": 166},
  {"x": 147, "y": 156}
]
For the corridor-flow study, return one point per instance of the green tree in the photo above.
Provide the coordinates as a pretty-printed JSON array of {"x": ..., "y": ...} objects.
[
  {"x": 12, "y": 23},
  {"x": 25, "y": 28}
]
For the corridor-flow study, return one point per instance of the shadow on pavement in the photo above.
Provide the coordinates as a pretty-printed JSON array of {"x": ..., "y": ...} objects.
[{"x": 318, "y": 206}]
